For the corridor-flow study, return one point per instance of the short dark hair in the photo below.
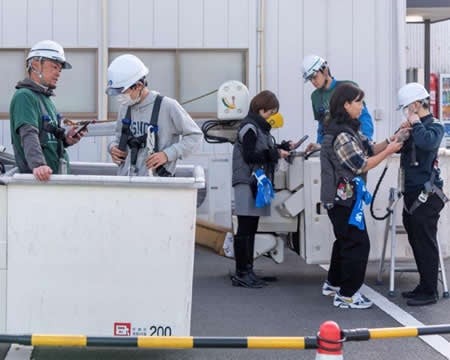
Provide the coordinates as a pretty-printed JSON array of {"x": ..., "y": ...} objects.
[
  {"x": 265, "y": 100},
  {"x": 346, "y": 92}
]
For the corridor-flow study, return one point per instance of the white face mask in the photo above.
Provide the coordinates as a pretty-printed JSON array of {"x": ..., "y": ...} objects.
[
  {"x": 408, "y": 110},
  {"x": 405, "y": 112},
  {"x": 125, "y": 99}
]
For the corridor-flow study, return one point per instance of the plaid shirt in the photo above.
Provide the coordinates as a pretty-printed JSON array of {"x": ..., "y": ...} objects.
[{"x": 349, "y": 152}]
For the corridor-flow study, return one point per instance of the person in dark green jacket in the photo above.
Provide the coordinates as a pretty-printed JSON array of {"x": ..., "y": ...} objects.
[
  {"x": 316, "y": 70},
  {"x": 38, "y": 140}
]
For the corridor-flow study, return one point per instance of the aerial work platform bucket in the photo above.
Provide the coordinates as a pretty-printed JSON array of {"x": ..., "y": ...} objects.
[{"x": 98, "y": 254}]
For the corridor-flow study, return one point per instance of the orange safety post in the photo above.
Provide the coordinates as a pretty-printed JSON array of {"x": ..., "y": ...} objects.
[{"x": 329, "y": 342}]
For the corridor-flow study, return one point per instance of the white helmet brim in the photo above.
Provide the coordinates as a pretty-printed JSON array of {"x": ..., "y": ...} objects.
[{"x": 114, "y": 91}]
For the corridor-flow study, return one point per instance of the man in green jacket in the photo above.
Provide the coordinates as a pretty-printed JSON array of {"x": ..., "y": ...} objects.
[
  {"x": 316, "y": 70},
  {"x": 38, "y": 140}
]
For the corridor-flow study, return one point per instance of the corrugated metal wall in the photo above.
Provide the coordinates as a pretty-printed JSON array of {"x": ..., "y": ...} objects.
[
  {"x": 361, "y": 39},
  {"x": 440, "y": 46}
]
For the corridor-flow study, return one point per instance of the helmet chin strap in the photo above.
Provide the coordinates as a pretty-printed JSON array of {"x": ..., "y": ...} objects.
[
  {"x": 41, "y": 78},
  {"x": 142, "y": 93},
  {"x": 325, "y": 83},
  {"x": 139, "y": 98}
]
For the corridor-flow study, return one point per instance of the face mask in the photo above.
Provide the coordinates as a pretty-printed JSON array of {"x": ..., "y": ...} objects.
[
  {"x": 125, "y": 99},
  {"x": 408, "y": 110}
]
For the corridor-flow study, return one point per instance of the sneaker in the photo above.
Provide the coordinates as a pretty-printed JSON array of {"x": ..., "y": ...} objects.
[
  {"x": 328, "y": 289},
  {"x": 357, "y": 301}
]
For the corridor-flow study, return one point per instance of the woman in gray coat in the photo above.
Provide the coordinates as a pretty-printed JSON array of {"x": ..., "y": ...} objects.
[{"x": 254, "y": 148}]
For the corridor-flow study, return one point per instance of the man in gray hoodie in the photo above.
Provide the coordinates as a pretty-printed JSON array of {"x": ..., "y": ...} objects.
[{"x": 152, "y": 131}]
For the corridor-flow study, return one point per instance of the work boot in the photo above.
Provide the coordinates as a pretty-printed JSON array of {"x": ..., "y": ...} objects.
[
  {"x": 422, "y": 300},
  {"x": 243, "y": 279},
  {"x": 250, "y": 258},
  {"x": 257, "y": 280},
  {"x": 242, "y": 276},
  {"x": 412, "y": 293}
]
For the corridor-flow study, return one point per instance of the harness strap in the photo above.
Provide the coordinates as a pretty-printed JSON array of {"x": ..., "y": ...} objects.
[
  {"x": 418, "y": 201},
  {"x": 440, "y": 194},
  {"x": 429, "y": 187},
  {"x": 154, "y": 118},
  {"x": 57, "y": 131},
  {"x": 136, "y": 143},
  {"x": 42, "y": 132}
]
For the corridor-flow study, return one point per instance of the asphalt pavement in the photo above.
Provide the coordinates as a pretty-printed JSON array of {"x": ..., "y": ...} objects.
[{"x": 291, "y": 306}]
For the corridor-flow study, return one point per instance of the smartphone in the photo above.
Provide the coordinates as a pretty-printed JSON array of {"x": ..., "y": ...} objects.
[
  {"x": 83, "y": 127},
  {"x": 298, "y": 143}
]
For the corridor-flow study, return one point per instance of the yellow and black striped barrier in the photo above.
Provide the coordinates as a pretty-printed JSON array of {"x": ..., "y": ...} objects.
[
  {"x": 164, "y": 342},
  {"x": 395, "y": 332},
  {"x": 190, "y": 342}
]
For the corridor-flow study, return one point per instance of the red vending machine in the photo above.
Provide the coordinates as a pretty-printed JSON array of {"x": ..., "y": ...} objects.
[{"x": 434, "y": 94}]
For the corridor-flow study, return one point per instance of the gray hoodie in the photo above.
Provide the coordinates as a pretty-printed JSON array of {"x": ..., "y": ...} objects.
[{"x": 178, "y": 135}]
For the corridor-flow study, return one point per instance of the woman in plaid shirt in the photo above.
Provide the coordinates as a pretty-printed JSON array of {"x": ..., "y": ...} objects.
[{"x": 347, "y": 154}]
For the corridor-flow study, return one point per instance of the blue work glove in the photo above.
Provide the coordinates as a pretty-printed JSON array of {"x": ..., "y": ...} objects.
[{"x": 265, "y": 192}]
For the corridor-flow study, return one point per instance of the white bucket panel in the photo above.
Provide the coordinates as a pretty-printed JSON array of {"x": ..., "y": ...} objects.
[
  {"x": 319, "y": 235},
  {"x": 101, "y": 260}
]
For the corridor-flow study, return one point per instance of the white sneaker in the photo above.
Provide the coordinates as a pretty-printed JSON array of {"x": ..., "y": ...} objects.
[
  {"x": 329, "y": 290},
  {"x": 357, "y": 301}
]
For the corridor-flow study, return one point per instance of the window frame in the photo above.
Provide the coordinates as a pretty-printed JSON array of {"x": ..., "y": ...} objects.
[
  {"x": 75, "y": 114},
  {"x": 197, "y": 116},
  {"x": 5, "y": 115},
  {"x": 99, "y": 87},
  {"x": 86, "y": 114}
]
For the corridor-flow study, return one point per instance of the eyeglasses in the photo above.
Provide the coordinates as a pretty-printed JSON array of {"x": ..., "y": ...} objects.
[{"x": 54, "y": 65}]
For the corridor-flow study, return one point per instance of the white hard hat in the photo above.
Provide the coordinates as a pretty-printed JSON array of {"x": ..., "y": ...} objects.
[
  {"x": 312, "y": 64},
  {"x": 411, "y": 92},
  {"x": 49, "y": 49},
  {"x": 123, "y": 72}
]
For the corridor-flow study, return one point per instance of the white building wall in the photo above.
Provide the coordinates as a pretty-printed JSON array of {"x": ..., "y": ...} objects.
[
  {"x": 359, "y": 38},
  {"x": 439, "y": 46},
  {"x": 74, "y": 23}
]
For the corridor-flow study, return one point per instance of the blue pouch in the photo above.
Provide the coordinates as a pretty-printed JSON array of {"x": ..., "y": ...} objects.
[
  {"x": 264, "y": 194},
  {"x": 362, "y": 196}
]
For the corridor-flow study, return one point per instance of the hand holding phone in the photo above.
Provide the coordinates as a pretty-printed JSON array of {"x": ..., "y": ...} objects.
[
  {"x": 83, "y": 127},
  {"x": 298, "y": 143}
]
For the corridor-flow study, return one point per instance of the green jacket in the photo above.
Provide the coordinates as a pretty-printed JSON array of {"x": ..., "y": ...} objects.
[{"x": 26, "y": 109}]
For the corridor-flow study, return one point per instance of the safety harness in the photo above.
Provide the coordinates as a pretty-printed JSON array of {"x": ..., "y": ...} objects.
[
  {"x": 428, "y": 188},
  {"x": 139, "y": 142},
  {"x": 58, "y": 131}
]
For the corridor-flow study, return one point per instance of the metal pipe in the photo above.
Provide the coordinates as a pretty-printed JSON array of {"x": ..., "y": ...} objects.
[
  {"x": 260, "y": 46},
  {"x": 400, "y": 78},
  {"x": 427, "y": 36},
  {"x": 102, "y": 72}
]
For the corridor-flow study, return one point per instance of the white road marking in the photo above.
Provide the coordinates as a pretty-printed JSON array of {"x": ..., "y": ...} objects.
[
  {"x": 437, "y": 342},
  {"x": 19, "y": 352}
]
